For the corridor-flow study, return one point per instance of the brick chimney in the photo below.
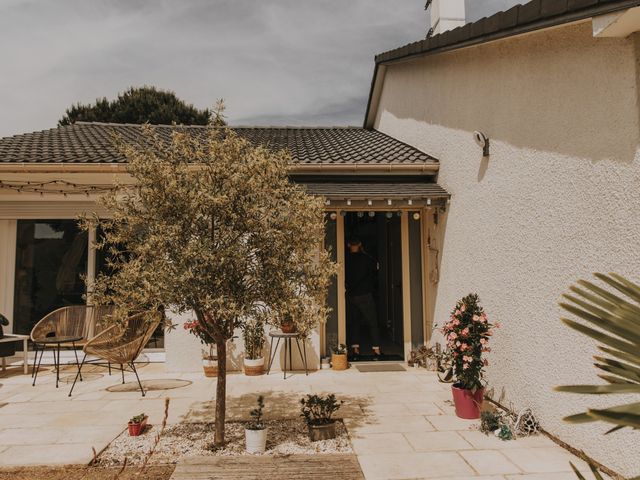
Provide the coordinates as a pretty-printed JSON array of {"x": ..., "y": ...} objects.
[{"x": 446, "y": 15}]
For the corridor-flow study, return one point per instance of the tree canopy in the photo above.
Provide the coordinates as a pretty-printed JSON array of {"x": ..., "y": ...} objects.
[
  {"x": 213, "y": 226},
  {"x": 139, "y": 105}
]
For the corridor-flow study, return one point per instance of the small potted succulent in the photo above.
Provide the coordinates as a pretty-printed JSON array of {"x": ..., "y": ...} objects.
[
  {"x": 467, "y": 333},
  {"x": 253, "y": 332},
  {"x": 4, "y": 322},
  {"x": 137, "y": 425},
  {"x": 209, "y": 359},
  {"x": 317, "y": 412},
  {"x": 339, "y": 358},
  {"x": 255, "y": 431}
]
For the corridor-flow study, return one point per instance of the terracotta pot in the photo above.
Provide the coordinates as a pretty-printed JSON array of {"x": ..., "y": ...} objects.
[
  {"x": 322, "y": 432},
  {"x": 288, "y": 327},
  {"x": 467, "y": 403},
  {"x": 253, "y": 367},
  {"x": 339, "y": 362},
  {"x": 136, "y": 429},
  {"x": 210, "y": 367}
]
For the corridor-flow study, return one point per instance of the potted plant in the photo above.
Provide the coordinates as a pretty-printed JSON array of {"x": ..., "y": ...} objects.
[
  {"x": 339, "y": 358},
  {"x": 209, "y": 359},
  {"x": 253, "y": 332},
  {"x": 137, "y": 425},
  {"x": 287, "y": 324},
  {"x": 255, "y": 432},
  {"x": 467, "y": 334},
  {"x": 317, "y": 412},
  {"x": 4, "y": 322}
]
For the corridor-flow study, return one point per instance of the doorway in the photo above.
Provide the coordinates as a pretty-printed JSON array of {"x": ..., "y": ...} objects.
[{"x": 380, "y": 236}]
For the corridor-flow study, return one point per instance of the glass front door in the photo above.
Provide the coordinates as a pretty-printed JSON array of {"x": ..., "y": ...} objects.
[{"x": 51, "y": 259}]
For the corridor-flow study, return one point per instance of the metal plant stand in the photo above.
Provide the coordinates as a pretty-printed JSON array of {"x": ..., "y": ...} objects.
[{"x": 287, "y": 337}]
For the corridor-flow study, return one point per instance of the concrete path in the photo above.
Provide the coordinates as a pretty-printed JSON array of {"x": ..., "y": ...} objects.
[{"x": 401, "y": 424}]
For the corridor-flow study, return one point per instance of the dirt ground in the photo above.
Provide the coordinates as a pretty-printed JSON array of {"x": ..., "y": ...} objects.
[{"x": 79, "y": 472}]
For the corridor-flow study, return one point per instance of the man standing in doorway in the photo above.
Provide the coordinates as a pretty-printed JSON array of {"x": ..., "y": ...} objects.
[{"x": 361, "y": 275}]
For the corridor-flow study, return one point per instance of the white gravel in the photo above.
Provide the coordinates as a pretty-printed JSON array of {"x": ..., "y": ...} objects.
[{"x": 285, "y": 437}]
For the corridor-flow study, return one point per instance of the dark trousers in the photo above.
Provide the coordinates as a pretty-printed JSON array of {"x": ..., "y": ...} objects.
[{"x": 363, "y": 315}]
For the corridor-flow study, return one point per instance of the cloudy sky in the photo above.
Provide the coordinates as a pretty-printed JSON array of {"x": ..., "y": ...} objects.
[{"x": 278, "y": 62}]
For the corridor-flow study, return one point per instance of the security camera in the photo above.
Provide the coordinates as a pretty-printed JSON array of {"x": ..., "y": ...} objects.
[{"x": 483, "y": 142}]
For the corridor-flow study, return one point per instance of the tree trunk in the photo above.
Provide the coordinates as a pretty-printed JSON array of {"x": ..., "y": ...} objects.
[{"x": 221, "y": 392}]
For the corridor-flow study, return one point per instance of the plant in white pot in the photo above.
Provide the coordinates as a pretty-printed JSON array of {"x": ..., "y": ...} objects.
[
  {"x": 317, "y": 412},
  {"x": 255, "y": 431},
  {"x": 253, "y": 331}
]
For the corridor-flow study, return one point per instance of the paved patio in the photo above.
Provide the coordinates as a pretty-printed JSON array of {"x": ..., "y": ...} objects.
[{"x": 401, "y": 424}]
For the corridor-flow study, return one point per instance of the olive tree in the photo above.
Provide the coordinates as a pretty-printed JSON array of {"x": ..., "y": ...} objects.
[{"x": 212, "y": 225}]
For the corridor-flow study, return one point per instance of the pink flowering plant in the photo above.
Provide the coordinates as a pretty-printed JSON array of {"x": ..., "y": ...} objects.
[{"x": 467, "y": 334}]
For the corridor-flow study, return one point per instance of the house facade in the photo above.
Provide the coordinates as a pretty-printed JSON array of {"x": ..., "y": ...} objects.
[
  {"x": 374, "y": 187},
  {"x": 555, "y": 86}
]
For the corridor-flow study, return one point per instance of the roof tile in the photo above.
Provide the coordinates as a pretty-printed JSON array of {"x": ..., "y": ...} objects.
[{"x": 93, "y": 143}]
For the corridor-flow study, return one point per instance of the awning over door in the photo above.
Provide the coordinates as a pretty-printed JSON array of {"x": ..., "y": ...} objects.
[{"x": 389, "y": 193}]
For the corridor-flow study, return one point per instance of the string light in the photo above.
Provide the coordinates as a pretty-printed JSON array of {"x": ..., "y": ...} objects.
[{"x": 54, "y": 187}]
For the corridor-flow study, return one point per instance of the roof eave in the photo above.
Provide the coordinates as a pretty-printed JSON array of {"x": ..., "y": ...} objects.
[{"x": 426, "y": 168}]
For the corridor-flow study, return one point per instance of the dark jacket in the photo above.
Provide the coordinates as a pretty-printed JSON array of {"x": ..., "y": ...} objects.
[{"x": 361, "y": 274}]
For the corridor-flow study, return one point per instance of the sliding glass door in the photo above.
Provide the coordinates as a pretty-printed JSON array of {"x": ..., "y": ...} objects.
[{"x": 51, "y": 259}]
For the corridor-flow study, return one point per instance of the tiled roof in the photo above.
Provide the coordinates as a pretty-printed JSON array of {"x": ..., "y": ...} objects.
[
  {"x": 530, "y": 16},
  {"x": 93, "y": 143},
  {"x": 369, "y": 190}
]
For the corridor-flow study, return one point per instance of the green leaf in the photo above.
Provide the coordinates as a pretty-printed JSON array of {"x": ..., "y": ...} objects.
[
  {"x": 599, "y": 389},
  {"x": 598, "y": 335},
  {"x": 580, "y": 418},
  {"x": 577, "y": 472},
  {"x": 631, "y": 358}
]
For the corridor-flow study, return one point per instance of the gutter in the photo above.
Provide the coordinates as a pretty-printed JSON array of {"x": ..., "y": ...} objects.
[
  {"x": 426, "y": 168},
  {"x": 483, "y": 31}
]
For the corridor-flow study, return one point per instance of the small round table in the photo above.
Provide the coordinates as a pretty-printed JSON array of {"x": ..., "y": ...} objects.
[
  {"x": 55, "y": 342},
  {"x": 287, "y": 337}
]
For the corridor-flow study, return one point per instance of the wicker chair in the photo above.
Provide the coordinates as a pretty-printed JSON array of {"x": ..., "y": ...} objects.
[
  {"x": 82, "y": 321},
  {"x": 121, "y": 344}
]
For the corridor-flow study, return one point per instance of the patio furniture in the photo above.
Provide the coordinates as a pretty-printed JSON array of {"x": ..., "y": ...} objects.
[
  {"x": 287, "y": 337},
  {"x": 7, "y": 349},
  {"x": 77, "y": 322},
  {"x": 120, "y": 344}
]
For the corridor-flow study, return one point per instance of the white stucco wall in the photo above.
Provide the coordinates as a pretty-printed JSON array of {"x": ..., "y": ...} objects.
[{"x": 558, "y": 199}]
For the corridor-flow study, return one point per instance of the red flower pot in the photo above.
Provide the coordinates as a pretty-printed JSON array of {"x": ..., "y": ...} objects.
[
  {"x": 467, "y": 403},
  {"x": 136, "y": 429}
]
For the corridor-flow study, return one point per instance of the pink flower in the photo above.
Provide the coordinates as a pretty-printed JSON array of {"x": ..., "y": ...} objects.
[
  {"x": 483, "y": 341},
  {"x": 457, "y": 312},
  {"x": 476, "y": 318},
  {"x": 463, "y": 308},
  {"x": 465, "y": 366},
  {"x": 465, "y": 332},
  {"x": 456, "y": 322},
  {"x": 464, "y": 346},
  {"x": 467, "y": 358},
  {"x": 458, "y": 344},
  {"x": 453, "y": 336}
]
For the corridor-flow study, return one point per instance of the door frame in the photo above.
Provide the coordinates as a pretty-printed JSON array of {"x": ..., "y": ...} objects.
[{"x": 406, "y": 265}]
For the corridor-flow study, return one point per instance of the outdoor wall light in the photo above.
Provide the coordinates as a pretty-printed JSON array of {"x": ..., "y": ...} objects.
[
  {"x": 409, "y": 202},
  {"x": 349, "y": 202},
  {"x": 369, "y": 202},
  {"x": 389, "y": 202},
  {"x": 428, "y": 201},
  {"x": 327, "y": 202},
  {"x": 482, "y": 141}
]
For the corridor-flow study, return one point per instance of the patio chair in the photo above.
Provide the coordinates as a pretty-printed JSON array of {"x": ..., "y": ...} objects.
[
  {"x": 78, "y": 321},
  {"x": 121, "y": 344}
]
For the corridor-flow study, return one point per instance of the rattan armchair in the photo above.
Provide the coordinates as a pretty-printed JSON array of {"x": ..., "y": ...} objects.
[
  {"x": 121, "y": 344},
  {"x": 77, "y": 321}
]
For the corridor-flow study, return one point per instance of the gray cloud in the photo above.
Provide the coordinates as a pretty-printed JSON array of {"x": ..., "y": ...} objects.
[{"x": 274, "y": 62}]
